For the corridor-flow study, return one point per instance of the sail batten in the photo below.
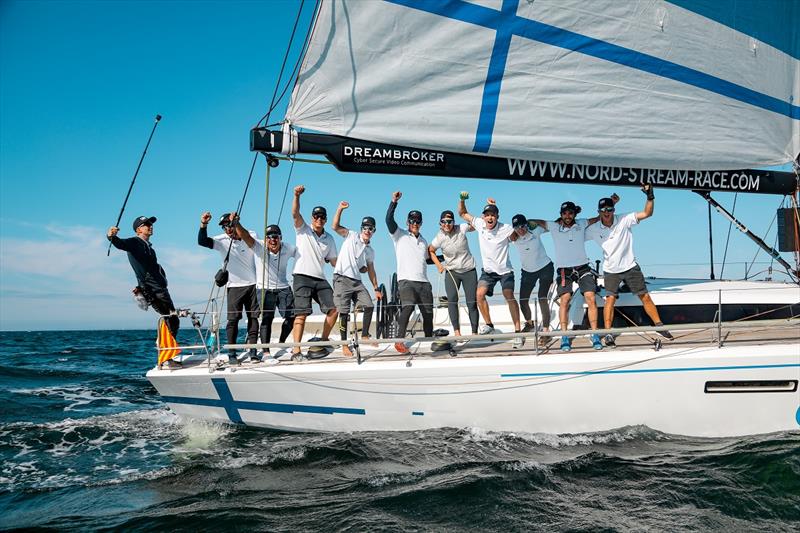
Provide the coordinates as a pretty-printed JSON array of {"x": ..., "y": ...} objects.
[{"x": 638, "y": 84}]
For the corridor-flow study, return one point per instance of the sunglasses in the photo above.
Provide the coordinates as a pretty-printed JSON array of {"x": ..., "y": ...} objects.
[
  {"x": 368, "y": 228},
  {"x": 319, "y": 217},
  {"x": 414, "y": 221},
  {"x": 447, "y": 221},
  {"x": 273, "y": 236},
  {"x": 606, "y": 210}
]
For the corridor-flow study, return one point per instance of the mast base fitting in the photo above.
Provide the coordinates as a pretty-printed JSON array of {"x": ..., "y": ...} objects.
[{"x": 272, "y": 161}]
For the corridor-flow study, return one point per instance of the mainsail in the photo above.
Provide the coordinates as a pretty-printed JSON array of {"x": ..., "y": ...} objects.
[{"x": 642, "y": 84}]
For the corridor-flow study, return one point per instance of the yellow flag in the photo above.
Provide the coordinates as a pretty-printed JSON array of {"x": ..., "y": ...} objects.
[{"x": 166, "y": 340}]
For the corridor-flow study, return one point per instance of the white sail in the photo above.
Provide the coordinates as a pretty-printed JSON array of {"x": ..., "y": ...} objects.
[{"x": 633, "y": 83}]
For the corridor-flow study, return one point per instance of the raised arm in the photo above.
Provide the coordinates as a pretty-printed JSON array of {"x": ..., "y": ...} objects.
[
  {"x": 649, "y": 205},
  {"x": 241, "y": 232},
  {"x": 462, "y": 207},
  {"x": 202, "y": 235},
  {"x": 335, "y": 226},
  {"x": 390, "y": 223},
  {"x": 296, "y": 216},
  {"x": 119, "y": 244}
]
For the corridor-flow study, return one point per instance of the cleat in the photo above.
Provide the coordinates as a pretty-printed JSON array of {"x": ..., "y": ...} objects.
[
  {"x": 596, "y": 344},
  {"x": 566, "y": 344},
  {"x": 609, "y": 340},
  {"x": 401, "y": 347}
]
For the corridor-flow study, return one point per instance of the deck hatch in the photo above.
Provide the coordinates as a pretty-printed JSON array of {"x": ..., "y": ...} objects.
[{"x": 716, "y": 387}]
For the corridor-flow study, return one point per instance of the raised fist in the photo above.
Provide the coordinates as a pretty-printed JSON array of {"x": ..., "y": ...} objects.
[
  {"x": 344, "y": 205},
  {"x": 205, "y": 218},
  {"x": 300, "y": 189},
  {"x": 396, "y": 195}
]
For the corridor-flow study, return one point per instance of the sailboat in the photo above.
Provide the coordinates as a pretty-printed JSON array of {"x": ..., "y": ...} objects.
[{"x": 682, "y": 95}]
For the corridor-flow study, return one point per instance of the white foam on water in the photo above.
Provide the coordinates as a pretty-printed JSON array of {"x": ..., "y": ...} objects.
[
  {"x": 558, "y": 441},
  {"x": 393, "y": 479},
  {"x": 75, "y": 396},
  {"x": 202, "y": 436},
  {"x": 524, "y": 466}
]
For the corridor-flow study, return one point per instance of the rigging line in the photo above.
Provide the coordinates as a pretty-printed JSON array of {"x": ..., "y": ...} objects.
[
  {"x": 728, "y": 238},
  {"x": 286, "y": 189},
  {"x": 265, "y": 252},
  {"x": 758, "y": 249}
]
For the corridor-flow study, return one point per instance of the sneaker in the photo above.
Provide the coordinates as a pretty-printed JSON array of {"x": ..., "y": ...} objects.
[
  {"x": 297, "y": 357},
  {"x": 253, "y": 356},
  {"x": 666, "y": 334},
  {"x": 347, "y": 351},
  {"x": 528, "y": 327},
  {"x": 232, "y": 360},
  {"x": 566, "y": 344},
  {"x": 271, "y": 360},
  {"x": 609, "y": 340},
  {"x": 596, "y": 344},
  {"x": 401, "y": 347},
  {"x": 485, "y": 330},
  {"x": 518, "y": 342}
]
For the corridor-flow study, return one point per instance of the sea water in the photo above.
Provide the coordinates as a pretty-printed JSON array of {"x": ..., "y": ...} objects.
[{"x": 85, "y": 443}]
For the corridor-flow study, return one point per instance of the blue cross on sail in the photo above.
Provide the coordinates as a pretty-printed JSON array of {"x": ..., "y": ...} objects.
[{"x": 633, "y": 84}]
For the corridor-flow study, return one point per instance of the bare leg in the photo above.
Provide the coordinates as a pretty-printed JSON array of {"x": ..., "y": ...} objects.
[
  {"x": 650, "y": 308},
  {"x": 330, "y": 321},
  {"x": 563, "y": 310},
  {"x": 592, "y": 311},
  {"x": 513, "y": 307},
  {"x": 297, "y": 331},
  {"x": 608, "y": 311},
  {"x": 483, "y": 305}
]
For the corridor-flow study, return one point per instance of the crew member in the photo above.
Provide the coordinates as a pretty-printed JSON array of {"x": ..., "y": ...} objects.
[
  {"x": 460, "y": 267},
  {"x": 241, "y": 291},
  {"x": 411, "y": 251},
  {"x": 315, "y": 247},
  {"x": 274, "y": 291},
  {"x": 613, "y": 234},
  {"x": 149, "y": 274},
  {"x": 493, "y": 238},
  {"x": 355, "y": 258},
  {"x": 536, "y": 267},
  {"x": 572, "y": 265}
]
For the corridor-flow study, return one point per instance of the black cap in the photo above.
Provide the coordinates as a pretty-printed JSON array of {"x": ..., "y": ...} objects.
[
  {"x": 225, "y": 219},
  {"x": 142, "y": 221},
  {"x": 414, "y": 214},
  {"x": 273, "y": 229},
  {"x": 569, "y": 206},
  {"x": 519, "y": 220},
  {"x": 367, "y": 221},
  {"x": 605, "y": 202},
  {"x": 447, "y": 214},
  {"x": 319, "y": 210},
  {"x": 491, "y": 208}
]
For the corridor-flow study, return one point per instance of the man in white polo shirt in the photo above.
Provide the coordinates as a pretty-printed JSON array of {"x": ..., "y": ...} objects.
[
  {"x": 411, "y": 251},
  {"x": 315, "y": 247},
  {"x": 241, "y": 292},
  {"x": 355, "y": 257},
  {"x": 572, "y": 265},
  {"x": 494, "y": 238},
  {"x": 274, "y": 291},
  {"x": 613, "y": 234},
  {"x": 536, "y": 267}
]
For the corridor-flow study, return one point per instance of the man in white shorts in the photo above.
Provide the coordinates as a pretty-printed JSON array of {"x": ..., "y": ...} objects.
[
  {"x": 315, "y": 247},
  {"x": 274, "y": 291},
  {"x": 536, "y": 267},
  {"x": 493, "y": 238},
  {"x": 613, "y": 234},
  {"x": 355, "y": 257},
  {"x": 411, "y": 252},
  {"x": 241, "y": 287}
]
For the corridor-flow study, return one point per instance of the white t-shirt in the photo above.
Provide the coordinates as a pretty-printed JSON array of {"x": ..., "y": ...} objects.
[
  {"x": 411, "y": 253},
  {"x": 241, "y": 266},
  {"x": 569, "y": 243},
  {"x": 616, "y": 242},
  {"x": 532, "y": 254},
  {"x": 494, "y": 246},
  {"x": 312, "y": 252},
  {"x": 455, "y": 248},
  {"x": 276, "y": 265},
  {"x": 354, "y": 255}
]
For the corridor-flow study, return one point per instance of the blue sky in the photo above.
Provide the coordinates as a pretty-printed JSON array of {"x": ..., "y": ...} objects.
[{"x": 80, "y": 83}]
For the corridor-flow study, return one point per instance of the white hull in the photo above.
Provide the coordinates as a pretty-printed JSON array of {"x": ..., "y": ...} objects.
[{"x": 552, "y": 393}]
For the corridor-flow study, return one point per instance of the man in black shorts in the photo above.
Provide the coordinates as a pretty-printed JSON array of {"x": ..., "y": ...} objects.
[
  {"x": 613, "y": 234},
  {"x": 315, "y": 247}
]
